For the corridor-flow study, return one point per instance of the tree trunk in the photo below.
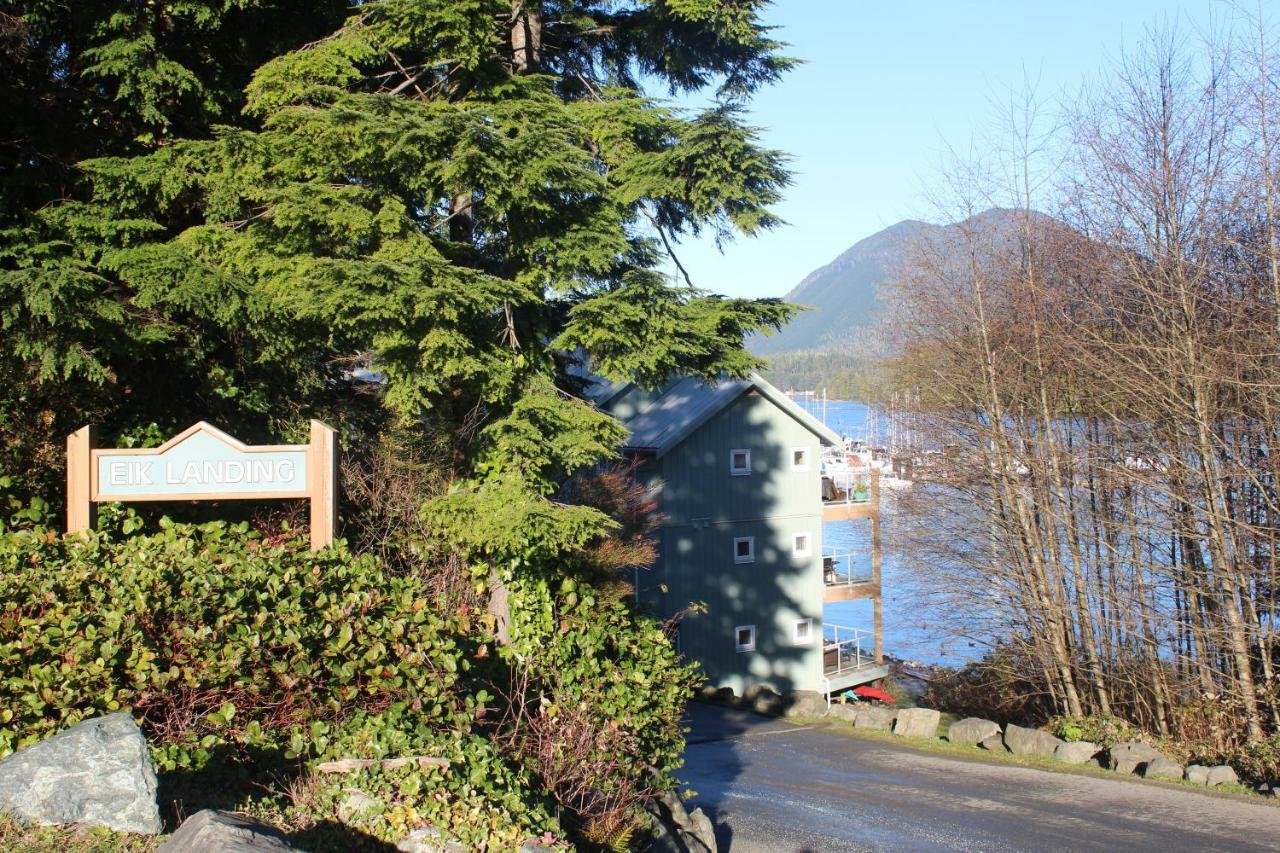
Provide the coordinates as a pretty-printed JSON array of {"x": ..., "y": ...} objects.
[{"x": 526, "y": 36}]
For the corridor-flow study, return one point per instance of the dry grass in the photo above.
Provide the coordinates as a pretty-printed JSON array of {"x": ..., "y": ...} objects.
[{"x": 72, "y": 839}]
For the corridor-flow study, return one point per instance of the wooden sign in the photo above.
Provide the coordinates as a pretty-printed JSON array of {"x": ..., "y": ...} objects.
[{"x": 204, "y": 463}]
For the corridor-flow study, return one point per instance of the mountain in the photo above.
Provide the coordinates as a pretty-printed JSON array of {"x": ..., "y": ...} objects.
[{"x": 845, "y": 295}]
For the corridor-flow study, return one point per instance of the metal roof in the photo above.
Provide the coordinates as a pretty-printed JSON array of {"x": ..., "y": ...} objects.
[{"x": 689, "y": 403}]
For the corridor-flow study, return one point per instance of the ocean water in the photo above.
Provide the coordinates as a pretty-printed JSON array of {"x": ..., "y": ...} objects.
[{"x": 913, "y": 630}]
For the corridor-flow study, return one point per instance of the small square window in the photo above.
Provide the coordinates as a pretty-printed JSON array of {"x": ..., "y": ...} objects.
[
  {"x": 802, "y": 632},
  {"x": 802, "y": 545},
  {"x": 799, "y": 459},
  {"x": 739, "y": 462},
  {"x": 744, "y": 637},
  {"x": 744, "y": 549}
]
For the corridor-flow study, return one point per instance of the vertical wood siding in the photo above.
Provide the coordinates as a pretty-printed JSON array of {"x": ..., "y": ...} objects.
[{"x": 706, "y": 508}]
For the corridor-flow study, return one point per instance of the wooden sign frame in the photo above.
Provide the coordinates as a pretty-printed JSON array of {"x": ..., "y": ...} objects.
[{"x": 321, "y": 476}]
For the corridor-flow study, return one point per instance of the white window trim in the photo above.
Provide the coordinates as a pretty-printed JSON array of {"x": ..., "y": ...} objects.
[
  {"x": 751, "y": 546},
  {"x": 807, "y": 639},
  {"x": 735, "y": 470},
  {"x": 796, "y": 550},
  {"x": 803, "y": 466},
  {"x": 749, "y": 646}
]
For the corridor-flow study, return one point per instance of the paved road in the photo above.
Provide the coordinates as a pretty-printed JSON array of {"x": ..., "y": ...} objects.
[{"x": 770, "y": 785}]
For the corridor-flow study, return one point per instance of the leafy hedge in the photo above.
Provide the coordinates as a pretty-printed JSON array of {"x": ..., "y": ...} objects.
[
  {"x": 211, "y": 639},
  {"x": 231, "y": 653}
]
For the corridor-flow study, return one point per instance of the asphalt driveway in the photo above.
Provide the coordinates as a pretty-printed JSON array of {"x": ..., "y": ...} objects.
[{"x": 771, "y": 785}]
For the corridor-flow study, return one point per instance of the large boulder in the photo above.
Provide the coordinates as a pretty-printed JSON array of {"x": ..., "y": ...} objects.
[
  {"x": 708, "y": 693},
  {"x": 1076, "y": 752},
  {"x": 1131, "y": 756},
  {"x": 972, "y": 731},
  {"x": 768, "y": 702},
  {"x": 1024, "y": 741},
  {"x": 1197, "y": 774},
  {"x": 846, "y": 712},
  {"x": 875, "y": 717},
  {"x": 1162, "y": 768},
  {"x": 1222, "y": 775},
  {"x": 676, "y": 830},
  {"x": 97, "y": 772},
  {"x": 211, "y": 831},
  {"x": 806, "y": 703},
  {"x": 917, "y": 722},
  {"x": 702, "y": 829},
  {"x": 994, "y": 743}
]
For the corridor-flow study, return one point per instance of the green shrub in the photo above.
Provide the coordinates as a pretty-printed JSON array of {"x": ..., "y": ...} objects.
[
  {"x": 213, "y": 640},
  {"x": 246, "y": 663},
  {"x": 1259, "y": 761},
  {"x": 1102, "y": 729},
  {"x": 1003, "y": 686},
  {"x": 600, "y": 695}
]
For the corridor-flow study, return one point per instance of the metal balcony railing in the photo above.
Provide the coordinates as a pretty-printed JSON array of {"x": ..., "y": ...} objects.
[
  {"x": 841, "y": 570},
  {"x": 846, "y": 649}
]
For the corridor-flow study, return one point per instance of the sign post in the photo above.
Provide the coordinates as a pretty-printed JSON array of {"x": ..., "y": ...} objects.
[{"x": 204, "y": 463}]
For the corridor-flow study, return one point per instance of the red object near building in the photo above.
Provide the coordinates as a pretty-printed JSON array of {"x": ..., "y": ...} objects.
[{"x": 865, "y": 692}]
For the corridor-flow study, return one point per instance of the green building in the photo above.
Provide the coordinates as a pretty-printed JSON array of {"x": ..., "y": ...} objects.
[{"x": 736, "y": 470}]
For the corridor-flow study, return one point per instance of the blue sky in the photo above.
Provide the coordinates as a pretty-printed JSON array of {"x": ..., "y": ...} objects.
[{"x": 886, "y": 86}]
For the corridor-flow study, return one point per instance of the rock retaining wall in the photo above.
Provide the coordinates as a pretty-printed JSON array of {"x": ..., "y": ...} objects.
[{"x": 1127, "y": 758}]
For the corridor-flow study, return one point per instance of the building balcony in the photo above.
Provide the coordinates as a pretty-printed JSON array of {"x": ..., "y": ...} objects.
[
  {"x": 849, "y": 492},
  {"x": 845, "y": 580},
  {"x": 849, "y": 658}
]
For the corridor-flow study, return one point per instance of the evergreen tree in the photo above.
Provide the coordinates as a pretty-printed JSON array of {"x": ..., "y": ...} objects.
[
  {"x": 100, "y": 78},
  {"x": 431, "y": 220},
  {"x": 446, "y": 193}
]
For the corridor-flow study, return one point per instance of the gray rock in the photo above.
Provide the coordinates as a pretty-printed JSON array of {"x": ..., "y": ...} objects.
[
  {"x": 846, "y": 712},
  {"x": 675, "y": 810},
  {"x": 1222, "y": 775},
  {"x": 1024, "y": 741},
  {"x": 917, "y": 722},
  {"x": 702, "y": 829},
  {"x": 972, "y": 731},
  {"x": 1197, "y": 774},
  {"x": 670, "y": 838},
  {"x": 429, "y": 839},
  {"x": 875, "y": 717},
  {"x": 535, "y": 847},
  {"x": 1267, "y": 789},
  {"x": 97, "y": 772},
  {"x": 994, "y": 743},
  {"x": 212, "y": 831},
  {"x": 1162, "y": 768},
  {"x": 1131, "y": 756},
  {"x": 768, "y": 702},
  {"x": 806, "y": 703},
  {"x": 1076, "y": 752},
  {"x": 708, "y": 693}
]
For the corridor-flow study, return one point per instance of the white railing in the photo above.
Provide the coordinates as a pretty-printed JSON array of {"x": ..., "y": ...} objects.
[
  {"x": 840, "y": 570},
  {"x": 845, "y": 487},
  {"x": 844, "y": 649}
]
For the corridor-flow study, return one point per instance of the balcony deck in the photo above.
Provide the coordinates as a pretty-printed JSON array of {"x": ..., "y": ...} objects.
[
  {"x": 850, "y": 510},
  {"x": 837, "y": 682},
  {"x": 846, "y": 660},
  {"x": 843, "y": 580}
]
